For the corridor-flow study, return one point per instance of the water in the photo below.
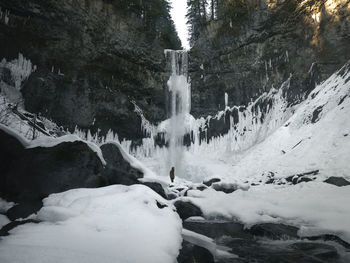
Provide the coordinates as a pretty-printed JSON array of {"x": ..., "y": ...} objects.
[{"x": 179, "y": 95}]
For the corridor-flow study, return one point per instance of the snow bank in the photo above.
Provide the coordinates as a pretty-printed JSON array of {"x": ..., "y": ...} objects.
[
  {"x": 112, "y": 224},
  {"x": 308, "y": 205}
]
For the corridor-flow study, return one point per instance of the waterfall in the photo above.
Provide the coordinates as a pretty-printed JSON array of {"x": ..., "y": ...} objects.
[{"x": 179, "y": 93}]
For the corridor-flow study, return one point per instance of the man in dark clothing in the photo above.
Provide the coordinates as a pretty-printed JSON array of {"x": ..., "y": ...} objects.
[{"x": 172, "y": 174}]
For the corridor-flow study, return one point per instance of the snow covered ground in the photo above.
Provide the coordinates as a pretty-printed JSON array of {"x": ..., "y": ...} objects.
[{"x": 112, "y": 224}]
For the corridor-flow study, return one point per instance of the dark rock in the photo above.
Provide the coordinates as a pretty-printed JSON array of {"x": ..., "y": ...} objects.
[
  {"x": 10, "y": 150},
  {"x": 24, "y": 209},
  {"x": 172, "y": 196},
  {"x": 226, "y": 188},
  {"x": 201, "y": 188},
  {"x": 160, "y": 205},
  {"x": 274, "y": 231},
  {"x": 298, "y": 178},
  {"x": 338, "y": 181},
  {"x": 4, "y": 231},
  {"x": 156, "y": 187},
  {"x": 117, "y": 169},
  {"x": 5, "y": 76},
  {"x": 191, "y": 253},
  {"x": 318, "y": 250},
  {"x": 316, "y": 113},
  {"x": 211, "y": 181},
  {"x": 187, "y": 209},
  {"x": 305, "y": 180},
  {"x": 217, "y": 229},
  {"x": 37, "y": 172}
]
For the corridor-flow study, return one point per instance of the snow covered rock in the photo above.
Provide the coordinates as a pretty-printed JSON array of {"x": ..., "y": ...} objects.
[
  {"x": 34, "y": 173},
  {"x": 187, "y": 209},
  {"x": 106, "y": 225},
  {"x": 118, "y": 170}
]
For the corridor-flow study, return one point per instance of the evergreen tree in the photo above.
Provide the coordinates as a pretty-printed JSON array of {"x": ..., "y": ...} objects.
[{"x": 196, "y": 18}]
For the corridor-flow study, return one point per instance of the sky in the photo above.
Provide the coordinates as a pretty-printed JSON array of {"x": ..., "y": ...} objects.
[{"x": 178, "y": 13}]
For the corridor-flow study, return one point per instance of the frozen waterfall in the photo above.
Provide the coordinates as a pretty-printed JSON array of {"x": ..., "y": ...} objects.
[{"x": 179, "y": 107}]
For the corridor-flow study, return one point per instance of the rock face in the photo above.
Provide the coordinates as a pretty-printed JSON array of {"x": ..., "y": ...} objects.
[
  {"x": 249, "y": 54},
  {"x": 93, "y": 58},
  {"x": 32, "y": 174},
  {"x": 118, "y": 170}
]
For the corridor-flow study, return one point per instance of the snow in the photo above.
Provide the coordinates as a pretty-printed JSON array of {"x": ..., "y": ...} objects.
[
  {"x": 112, "y": 224},
  {"x": 4, "y": 205},
  {"x": 308, "y": 205}
]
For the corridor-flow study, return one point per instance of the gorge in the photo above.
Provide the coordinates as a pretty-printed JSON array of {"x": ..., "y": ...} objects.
[{"x": 98, "y": 102}]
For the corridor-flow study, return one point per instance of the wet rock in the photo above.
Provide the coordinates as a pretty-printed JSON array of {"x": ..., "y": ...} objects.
[
  {"x": 191, "y": 253},
  {"x": 217, "y": 229},
  {"x": 117, "y": 169},
  {"x": 211, "y": 181},
  {"x": 274, "y": 231},
  {"x": 187, "y": 209},
  {"x": 338, "y": 181},
  {"x": 264, "y": 243},
  {"x": 318, "y": 250}
]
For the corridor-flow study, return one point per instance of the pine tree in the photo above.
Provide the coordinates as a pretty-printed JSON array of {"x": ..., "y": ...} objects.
[{"x": 196, "y": 18}]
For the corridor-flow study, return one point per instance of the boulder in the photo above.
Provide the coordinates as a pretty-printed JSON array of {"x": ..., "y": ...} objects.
[
  {"x": 117, "y": 169},
  {"x": 211, "y": 181},
  {"x": 191, "y": 253},
  {"x": 34, "y": 173},
  {"x": 338, "y": 181},
  {"x": 187, "y": 209}
]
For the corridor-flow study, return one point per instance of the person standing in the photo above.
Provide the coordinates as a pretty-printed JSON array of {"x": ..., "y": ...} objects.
[{"x": 172, "y": 174}]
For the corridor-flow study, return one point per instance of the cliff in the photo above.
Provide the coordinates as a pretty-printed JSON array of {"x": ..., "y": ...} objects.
[
  {"x": 93, "y": 59},
  {"x": 258, "y": 47}
]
